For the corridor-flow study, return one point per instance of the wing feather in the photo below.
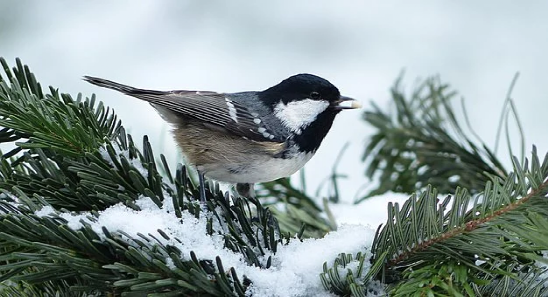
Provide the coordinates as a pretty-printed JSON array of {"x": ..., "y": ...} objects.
[{"x": 210, "y": 107}]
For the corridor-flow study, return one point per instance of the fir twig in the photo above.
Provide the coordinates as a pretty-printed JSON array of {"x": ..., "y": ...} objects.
[
  {"x": 422, "y": 143},
  {"x": 495, "y": 228},
  {"x": 87, "y": 164}
]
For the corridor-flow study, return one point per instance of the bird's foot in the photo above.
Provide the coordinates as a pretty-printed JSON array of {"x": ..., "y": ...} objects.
[
  {"x": 202, "y": 188},
  {"x": 245, "y": 190}
]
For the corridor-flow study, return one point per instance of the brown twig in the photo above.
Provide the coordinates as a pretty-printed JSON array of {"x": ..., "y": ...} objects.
[{"x": 468, "y": 227}]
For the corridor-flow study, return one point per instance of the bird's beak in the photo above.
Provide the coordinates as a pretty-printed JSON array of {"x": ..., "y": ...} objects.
[{"x": 346, "y": 103}]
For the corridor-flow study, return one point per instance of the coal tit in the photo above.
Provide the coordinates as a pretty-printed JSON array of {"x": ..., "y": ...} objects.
[{"x": 247, "y": 137}]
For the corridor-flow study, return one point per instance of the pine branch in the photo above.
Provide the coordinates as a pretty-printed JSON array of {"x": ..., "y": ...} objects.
[
  {"x": 53, "y": 121},
  {"x": 355, "y": 282},
  {"x": 84, "y": 256},
  {"x": 296, "y": 212},
  {"x": 422, "y": 143},
  {"x": 530, "y": 283},
  {"x": 495, "y": 228},
  {"x": 49, "y": 240},
  {"x": 87, "y": 164}
]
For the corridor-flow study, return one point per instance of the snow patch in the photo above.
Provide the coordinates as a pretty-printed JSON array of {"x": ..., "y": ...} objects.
[{"x": 295, "y": 267}]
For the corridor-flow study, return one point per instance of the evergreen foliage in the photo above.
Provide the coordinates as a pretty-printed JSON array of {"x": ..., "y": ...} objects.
[
  {"x": 88, "y": 170},
  {"x": 488, "y": 232},
  {"x": 301, "y": 214},
  {"x": 422, "y": 143},
  {"x": 487, "y": 238}
]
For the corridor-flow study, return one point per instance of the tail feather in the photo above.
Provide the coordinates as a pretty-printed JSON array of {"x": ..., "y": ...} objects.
[{"x": 128, "y": 90}]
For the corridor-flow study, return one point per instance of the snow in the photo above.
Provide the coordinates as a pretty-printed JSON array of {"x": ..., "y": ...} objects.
[
  {"x": 371, "y": 212},
  {"x": 543, "y": 265},
  {"x": 44, "y": 211},
  {"x": 295, "y": 267},
  {"x": 7, "y": 195}
]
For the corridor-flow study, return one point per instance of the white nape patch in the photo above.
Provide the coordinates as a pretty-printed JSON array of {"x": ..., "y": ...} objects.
[
  {"x": 297, "y": 115},
  {"x": 231, "y": 110}
]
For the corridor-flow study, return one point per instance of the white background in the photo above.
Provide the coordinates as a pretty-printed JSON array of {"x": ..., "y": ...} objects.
[{"x": 360, "y": 46}]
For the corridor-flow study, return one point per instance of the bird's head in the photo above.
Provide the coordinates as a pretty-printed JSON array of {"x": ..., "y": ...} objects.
[
  {"x": 307, "y": 105},
  {"x": 301, "y": 99},
  {"x": 308, "y": 89}
]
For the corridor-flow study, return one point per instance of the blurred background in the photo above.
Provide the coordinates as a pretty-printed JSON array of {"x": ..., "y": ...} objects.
[{"x": 360, "y": 46}]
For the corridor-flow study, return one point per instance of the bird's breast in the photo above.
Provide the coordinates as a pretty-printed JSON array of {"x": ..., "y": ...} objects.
[
  {"x": 256, "y": 169},
  {"x": 234, "y": 159}
]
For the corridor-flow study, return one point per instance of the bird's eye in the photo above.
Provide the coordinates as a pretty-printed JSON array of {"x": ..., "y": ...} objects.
[{"x": 315, "y": 95}]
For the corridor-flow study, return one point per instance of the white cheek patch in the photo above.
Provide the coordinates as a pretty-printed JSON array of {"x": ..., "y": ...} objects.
[
  {"x": 231, "y": 110},
  {"x": 297, "y": 115}
]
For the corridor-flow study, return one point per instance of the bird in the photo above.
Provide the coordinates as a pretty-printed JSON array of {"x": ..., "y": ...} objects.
[{"x": 249, "y": 137}]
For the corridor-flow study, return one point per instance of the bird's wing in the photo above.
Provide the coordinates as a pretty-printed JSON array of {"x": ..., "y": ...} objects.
[{"x": 208, "y": 107}]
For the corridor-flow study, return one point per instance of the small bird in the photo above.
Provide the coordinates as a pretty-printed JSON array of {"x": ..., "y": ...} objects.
[{"x": 247, "y": 137}]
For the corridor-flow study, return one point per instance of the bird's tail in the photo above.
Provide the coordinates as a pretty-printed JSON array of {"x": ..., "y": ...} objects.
[{"x": 128, "y": 90}]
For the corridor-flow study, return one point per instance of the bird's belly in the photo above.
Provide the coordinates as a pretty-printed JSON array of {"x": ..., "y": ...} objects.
[
  {"x": 258, "y": 169},
  {"x": 233, "y": 159}
]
